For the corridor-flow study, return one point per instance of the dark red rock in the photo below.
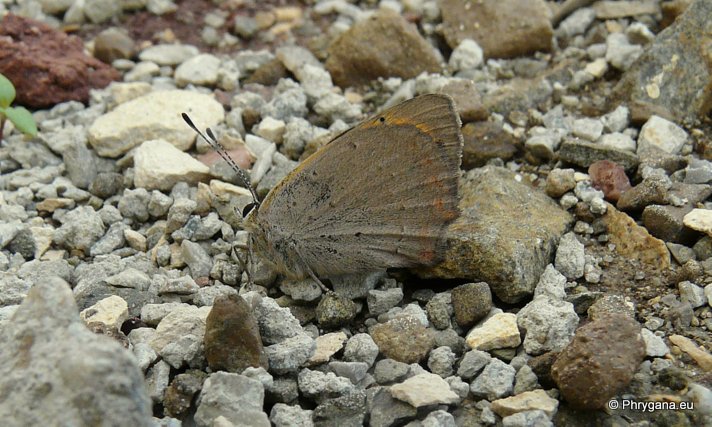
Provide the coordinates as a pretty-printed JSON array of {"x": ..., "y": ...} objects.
[
  {"x": 48, "y": 66},
  {"x": 600, "y": 361},
  {"x": 232, "y": 337},
  {"x": 610, "y": 178}
]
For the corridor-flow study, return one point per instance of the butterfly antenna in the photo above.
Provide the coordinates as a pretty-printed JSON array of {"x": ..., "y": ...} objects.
[{"x": 217, "y": 146}]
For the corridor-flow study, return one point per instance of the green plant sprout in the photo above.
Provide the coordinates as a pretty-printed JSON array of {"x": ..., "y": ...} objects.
[{"x": 19, "y": 116}]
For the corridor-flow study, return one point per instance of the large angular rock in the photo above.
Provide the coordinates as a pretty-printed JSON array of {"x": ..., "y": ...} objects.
[
  {"x": 385, "y": 45},
  {"x": 506, "y": 235},
  {"x": 47, "y": 66},
  {"x": 54, "y": 371},
  {"x": 156, "y": 115},
  {"x": 673, "y": 76},
  {"x": 502, "y": 28}
]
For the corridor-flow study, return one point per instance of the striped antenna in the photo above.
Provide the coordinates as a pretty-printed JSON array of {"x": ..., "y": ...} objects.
[{"x": 213, "y": 142}]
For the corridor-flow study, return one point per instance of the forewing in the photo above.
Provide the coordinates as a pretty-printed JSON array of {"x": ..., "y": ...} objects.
[{"x": 378, "y": 196}]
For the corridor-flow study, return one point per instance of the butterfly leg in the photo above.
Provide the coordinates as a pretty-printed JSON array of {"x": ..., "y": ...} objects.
[
  {"x": 245, "y": 262},
  {"x": 309, "y": 270}
]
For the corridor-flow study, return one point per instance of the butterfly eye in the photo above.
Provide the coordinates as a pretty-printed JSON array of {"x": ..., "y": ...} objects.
[{"x": 248, "y": 208}]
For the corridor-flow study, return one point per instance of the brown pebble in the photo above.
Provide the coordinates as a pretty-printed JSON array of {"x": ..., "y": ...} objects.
[{"x": 610, "y": 178}]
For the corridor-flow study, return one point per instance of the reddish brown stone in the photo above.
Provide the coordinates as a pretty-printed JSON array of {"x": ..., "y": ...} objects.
[
  {"x": 232, "y": 337},
  {"x": 384, "y": 45},
  {"x": 610, "y": 178},
  {"x": 600, "y": 361},
  {"x": 47, "y": 66}
]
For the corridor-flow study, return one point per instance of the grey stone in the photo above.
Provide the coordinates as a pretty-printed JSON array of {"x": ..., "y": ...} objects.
[
  {"x": 303, "y": 290},
  {"x": 112, "y": 240},
  {"x": 439, "y": 418},
  {"x": 495, "y": 382},
  {"x": 536, "y": 417},
  {"x": 354, "y": 286},
  {"x": 289, "y": 103},
  {"x": 619, "y": 52},
  {"x": 283, "y": 415},
  {"x": 588, "y": 129},
  {"x": 472, "y": 363},
  {"x": 525, "y": 380},
  {"x": 179, "y": 213},
  {"x": 385, "y": 410},
  {"x": 440, "y": 309},
  {"x": 551, "y": 283},
  {"x": 570, "y": 257},
  {"x": 157, "y": 378},
  {"x": 276, "y": 323},
  {"x": 134, "y": 204},
  {"x": 283, "y": 390},
  {"x": 289, "y": 354},
  {"x": 237, "y": 398},
  {"x": 584, "y": 154},
  {"x": 698, "y": 171},
  {"x": 691, "y": 293},
  {"x": 381, "y": 301},
  {"x": 549, "y": 324},
  {"x": 441, "y": 361},
  {"x": 361, "y": 348},
  {"x": 39, "y": 353},
  {"x": 654, "y": 345},
  {"x": 179, "y": 336},
  {"x": 661, "y": 134},
  {"x": 461, "y": 388},
  {"x": 197, "y": 259},
  {"x": 159, "y": 204},
  {"x": 320, "y": 386},
  {"x": 184, "y": 285},
  {"x": 354, "y": 371},
  {"x": 80, "y": 164},
  {"x": 81, "y": 228},
  {"x": 348, "y": 410},
  {"x": 389, "y": 371}
]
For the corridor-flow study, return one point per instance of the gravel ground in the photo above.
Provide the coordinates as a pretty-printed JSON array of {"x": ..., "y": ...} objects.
[{"x": 576, "y": 288}]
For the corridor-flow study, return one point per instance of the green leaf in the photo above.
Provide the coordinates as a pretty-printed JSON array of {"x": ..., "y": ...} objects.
[
  {"x": 7, "y": 92},
  {"x": 22, "y": 119}
]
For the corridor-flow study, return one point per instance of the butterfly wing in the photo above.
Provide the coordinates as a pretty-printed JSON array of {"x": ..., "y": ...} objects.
[{"x": 379, "y": 195}]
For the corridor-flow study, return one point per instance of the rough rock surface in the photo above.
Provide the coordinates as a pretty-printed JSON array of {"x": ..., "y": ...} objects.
[
  {"x": 48, "y": 66},
  {"x": 50, "y": 360},
  {"x": 508, "y": 252},
  {"x": 385, "y": 45},
  {"x": 232, "y": 337},
  {"x": 600, "y": 361}
]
